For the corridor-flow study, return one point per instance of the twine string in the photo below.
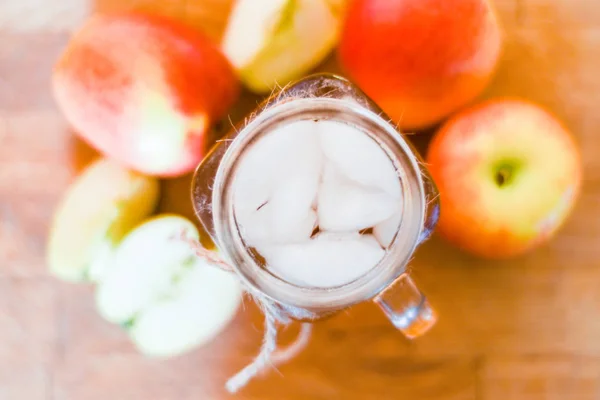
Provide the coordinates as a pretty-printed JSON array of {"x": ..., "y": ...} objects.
[
  {"x": 269, "y": 355},
  {"x": 204, "y": 253}
]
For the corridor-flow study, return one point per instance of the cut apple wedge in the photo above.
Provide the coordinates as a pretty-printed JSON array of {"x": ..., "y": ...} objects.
[
  {"x": 271, "y": 42},
  {"x": 99, "y": 208},
  {"x": 167, "y": 298}
]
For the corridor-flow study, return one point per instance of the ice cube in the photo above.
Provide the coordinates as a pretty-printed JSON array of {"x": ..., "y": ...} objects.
[
  {"x": 304, "y": 149},
  {"x": 276, "y": 184},
  {"x": 254, "y": 225},
  {"x": 359, "y": 157},
  {"x": 338, "y": 236},
  {"x": 272, "y": 225},
  {"x": 365, "y": 238},
  {"x": 293, "y": 227},
  {"x": 346, "y": 206},
  {"x": 385, "y": 231},
  {"x": 288, "y": 149},
  {"x": 251, "y": 188},
  {"x": 328, "y": 260},
  {"x": 294, "y": 197},
  {"x": 370, "y": 240}
]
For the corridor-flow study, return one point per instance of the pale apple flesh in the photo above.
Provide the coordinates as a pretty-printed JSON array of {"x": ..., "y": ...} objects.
[
  {"x": 509, "y": 175},
  {"x": 272, "y": 42},
  {"x": 167, "y": 298},
  {"x": 103, "y": 203}
]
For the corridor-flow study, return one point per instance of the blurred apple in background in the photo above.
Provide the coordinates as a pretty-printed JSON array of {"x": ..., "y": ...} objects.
[
  {"x": 420, "y": 60},
  {"x": 508, "y": 173},
  {"x": 271, "y": 42},
  {"x": 144, "y": 90},
  {"x": 168, "y": 299},
  {"x": 100, "y": 207},
  {"x": 209, "y": 16}
]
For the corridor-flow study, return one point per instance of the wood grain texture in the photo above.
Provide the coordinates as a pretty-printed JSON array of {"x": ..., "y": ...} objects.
[{"x": 520, "y": 330}]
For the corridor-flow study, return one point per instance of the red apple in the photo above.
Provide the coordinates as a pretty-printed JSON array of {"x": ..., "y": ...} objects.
[
  {"x": 508, "y": 174},
  {"x": 144, "y": 90},
  {"x": 420, "y": 60},
  {"x": 209, "y": 16}
]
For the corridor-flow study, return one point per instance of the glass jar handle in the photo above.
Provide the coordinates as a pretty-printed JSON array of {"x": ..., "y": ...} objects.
[{"x": 406, "y": 307}]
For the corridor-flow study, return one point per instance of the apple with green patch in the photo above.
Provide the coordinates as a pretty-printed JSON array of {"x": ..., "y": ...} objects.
[
  {"x": 167, "y": 298},
  {"x": 271, "y": 42},
  {"x": 144, "y": 89},
  {"x": 98, "y": 209},
  {"x": 509, "y": 174}
]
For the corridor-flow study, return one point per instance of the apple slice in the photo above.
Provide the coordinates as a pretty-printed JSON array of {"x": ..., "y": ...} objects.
[
  {"x": 271, "y": 42},
  {"x": 102, "y": 205},
  {"x": 168, "y": 299}
]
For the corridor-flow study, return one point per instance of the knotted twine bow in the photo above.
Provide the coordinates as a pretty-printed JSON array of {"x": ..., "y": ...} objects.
[{"x": 269, "y": 354}]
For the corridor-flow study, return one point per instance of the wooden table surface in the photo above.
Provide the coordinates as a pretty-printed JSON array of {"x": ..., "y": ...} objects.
[{"x": 524, "y": 329}]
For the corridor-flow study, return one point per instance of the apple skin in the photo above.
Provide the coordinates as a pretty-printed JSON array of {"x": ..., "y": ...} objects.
[
  {"x": 420, "y": 60},
  {"x": 144, "y": 90},
  {"x": 508, "y": 174},
  {"x": 206, "y": 15}
]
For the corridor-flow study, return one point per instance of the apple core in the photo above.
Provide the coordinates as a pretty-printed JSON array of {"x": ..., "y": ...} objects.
[{"x": 505, "y": 173}]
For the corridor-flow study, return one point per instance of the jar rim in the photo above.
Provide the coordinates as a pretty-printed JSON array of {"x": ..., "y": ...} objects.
[{"x": 398, "y": 254}]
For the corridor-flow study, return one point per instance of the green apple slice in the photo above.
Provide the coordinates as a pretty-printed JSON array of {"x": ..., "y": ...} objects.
[
  {"x": 271, "y": 42},
  {"x": 167, "y": 298},
  {"x": 104, "y": 203}
]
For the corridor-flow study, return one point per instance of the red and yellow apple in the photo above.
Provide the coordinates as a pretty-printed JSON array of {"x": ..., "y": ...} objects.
[
  {"x": 209, "y": 16},
  {"x": 508, "y": 173},
  {"x": 98, "y": 209},
  {"x": 420, "y": 60},
  {"x": 144, "y": 90}
]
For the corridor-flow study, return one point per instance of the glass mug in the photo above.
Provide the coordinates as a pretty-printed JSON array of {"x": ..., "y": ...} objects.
[{"x": 325, "y": 96}]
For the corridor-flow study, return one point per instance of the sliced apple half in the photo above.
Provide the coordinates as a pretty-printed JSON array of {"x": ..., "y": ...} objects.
[
  {"x": 167, "y": 298},
  {"x": 102, "y": 205},
  {"x": 271, "y": 42}
]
